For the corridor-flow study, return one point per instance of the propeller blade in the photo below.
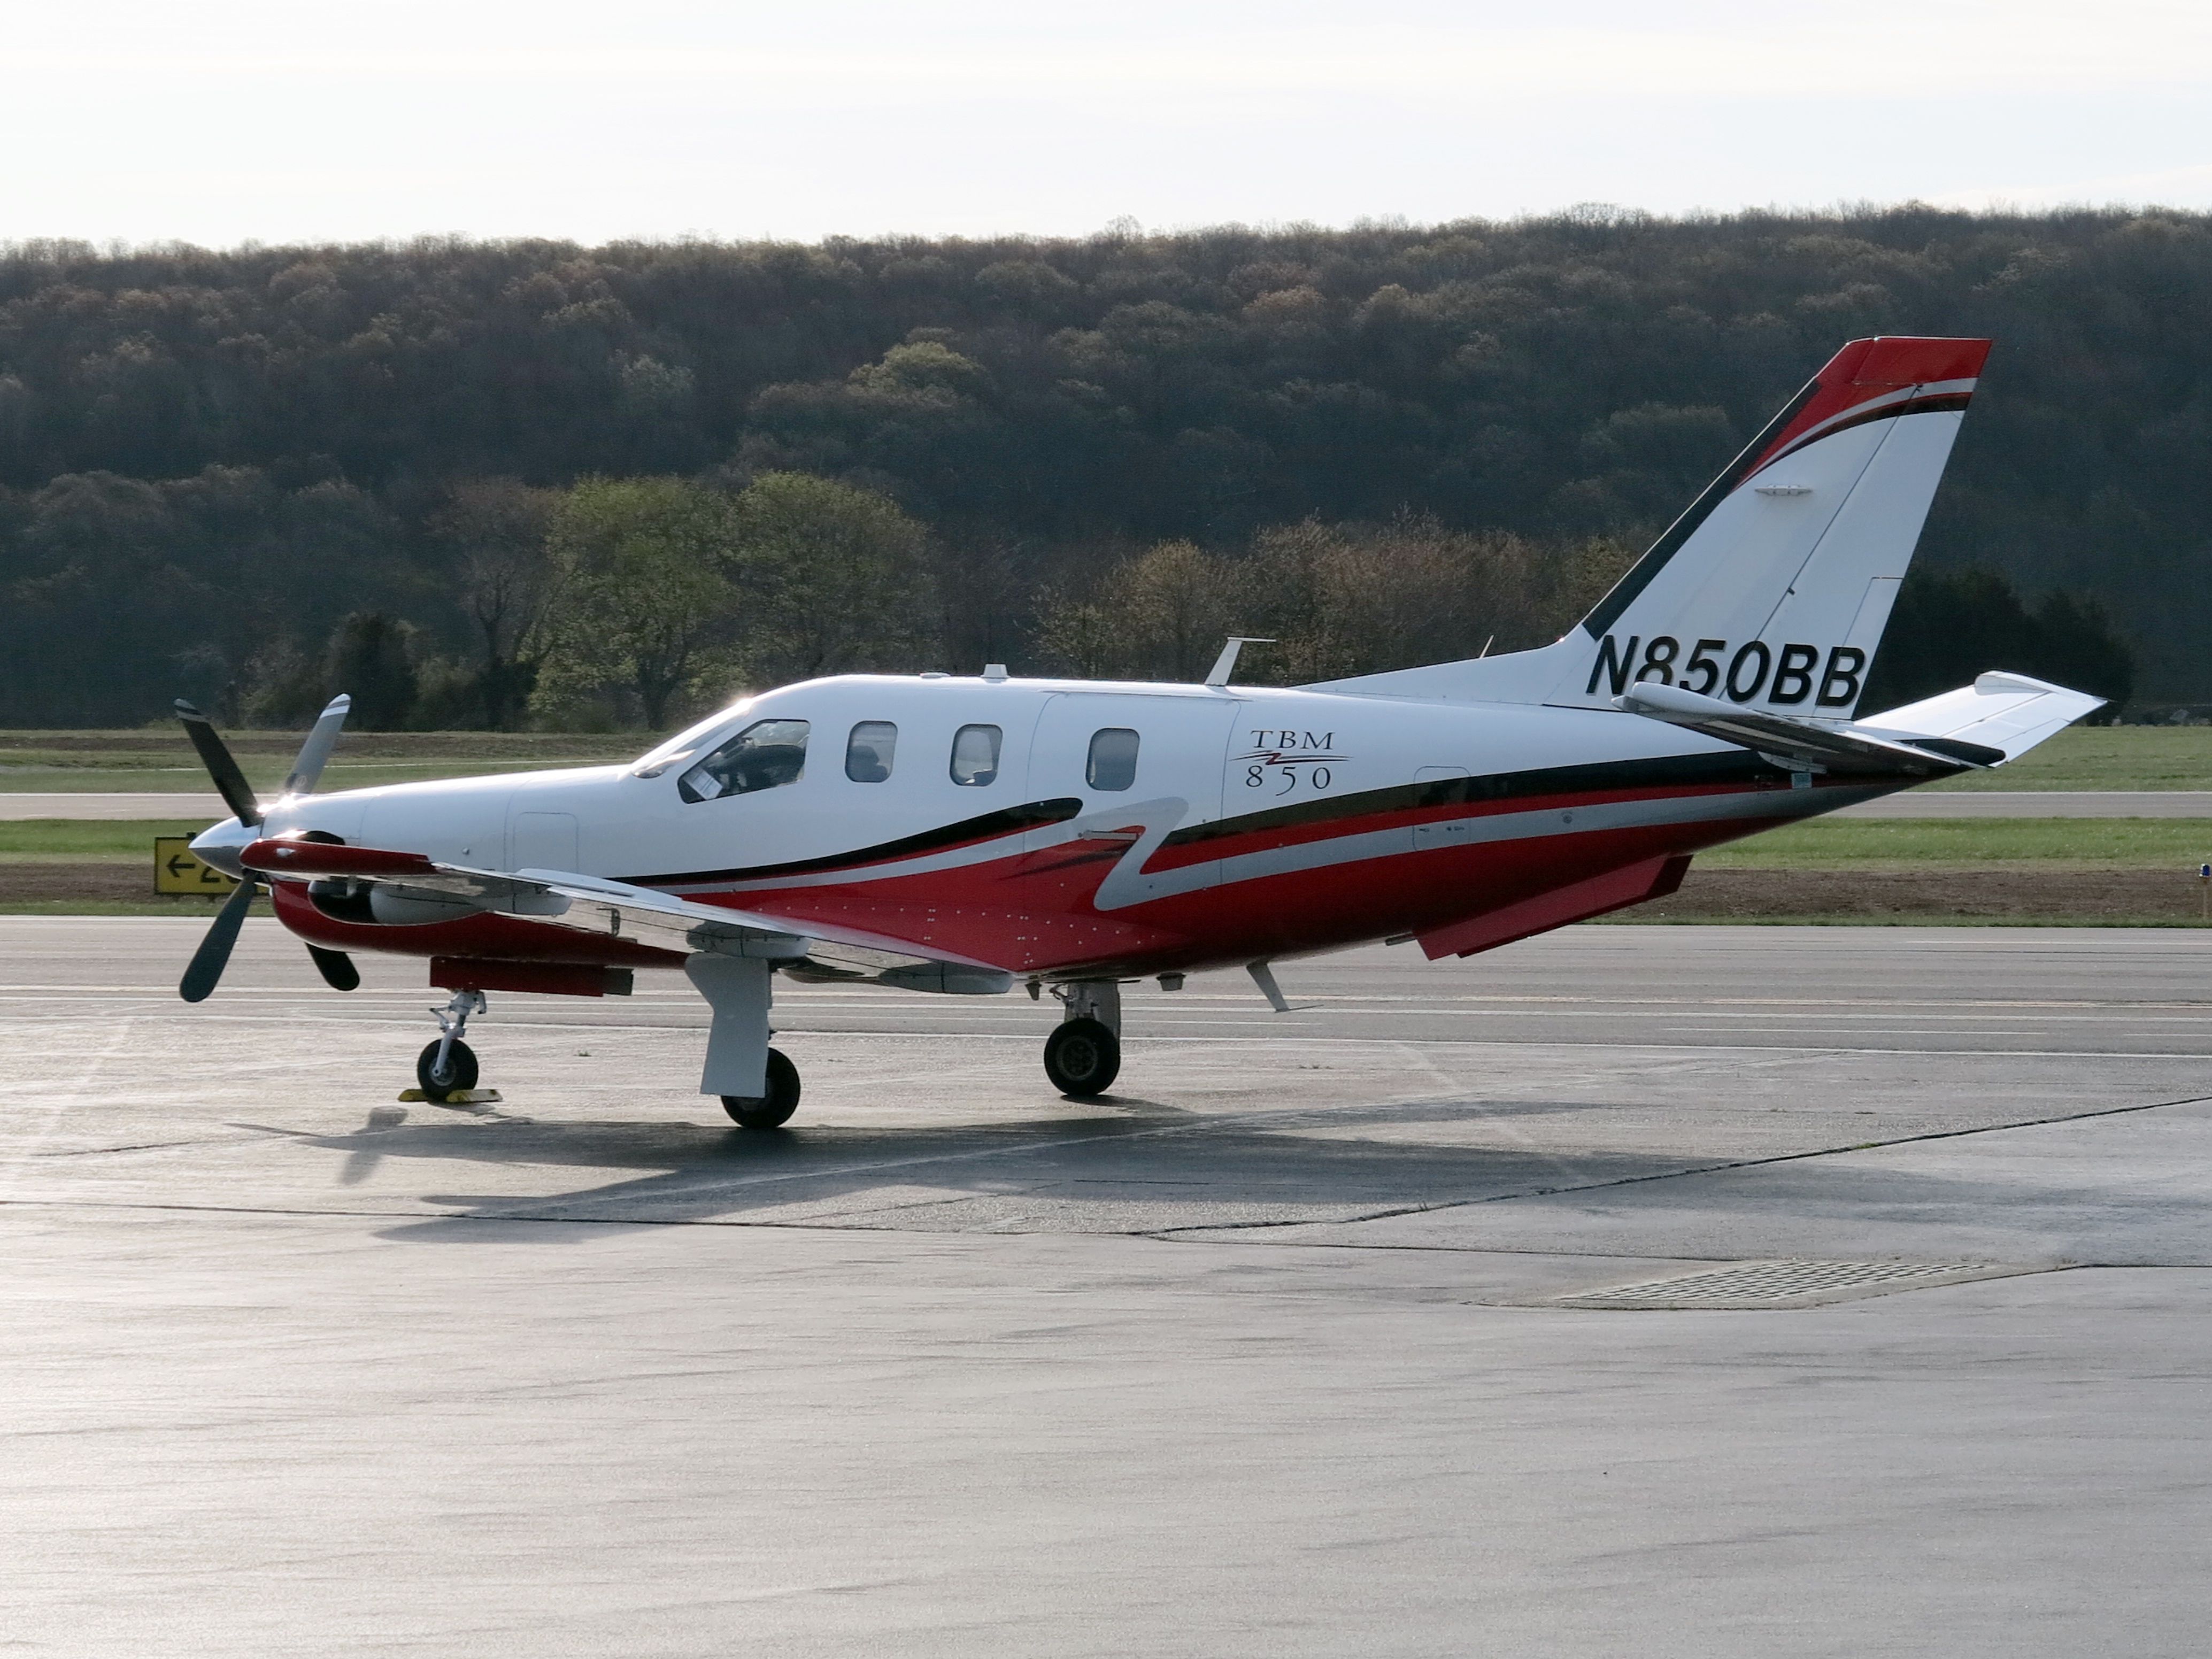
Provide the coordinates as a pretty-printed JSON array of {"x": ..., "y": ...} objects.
[
  {"x": 337, "y": 968},
  {"x": 308, "y": 769},
  {"x": 207, "y": 965},
  {"x": 230, "y": 783}
]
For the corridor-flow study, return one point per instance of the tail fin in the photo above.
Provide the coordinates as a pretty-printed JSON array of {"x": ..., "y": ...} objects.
[{"x": 1772, "y": 590}]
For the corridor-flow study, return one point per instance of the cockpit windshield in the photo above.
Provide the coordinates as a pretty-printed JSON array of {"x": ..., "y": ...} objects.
[{"x": 659, "y": 759}]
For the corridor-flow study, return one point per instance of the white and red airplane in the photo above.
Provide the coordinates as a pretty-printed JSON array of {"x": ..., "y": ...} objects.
[{"x": 967, "y": 835}]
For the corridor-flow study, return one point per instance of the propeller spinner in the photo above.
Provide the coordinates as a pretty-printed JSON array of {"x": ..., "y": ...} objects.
[{"x": 204, "y": 971}]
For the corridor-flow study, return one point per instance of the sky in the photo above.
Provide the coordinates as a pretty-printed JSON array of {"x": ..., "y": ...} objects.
[{"x": 226, "y": 121}]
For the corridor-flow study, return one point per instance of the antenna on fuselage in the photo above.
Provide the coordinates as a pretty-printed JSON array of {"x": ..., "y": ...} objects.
[{"x": 1225, "y": 664}]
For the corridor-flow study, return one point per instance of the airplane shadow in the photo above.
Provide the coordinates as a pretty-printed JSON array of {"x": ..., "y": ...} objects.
[{"x": 1119, "y": 1164}]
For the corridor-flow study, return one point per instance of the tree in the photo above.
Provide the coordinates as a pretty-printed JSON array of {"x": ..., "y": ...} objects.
[
  {"x": 641, "y": 614},
  {"x": 1178, "y": 603},
  {"x": 371, "y": 659},
  {"x": 497, "y": 527},
  {"x": 834, "y": 577},
  {"x": 1336, "y": 599},
  {"x": 1949, "y": 626},
  {"x": 370, "y": 656}
]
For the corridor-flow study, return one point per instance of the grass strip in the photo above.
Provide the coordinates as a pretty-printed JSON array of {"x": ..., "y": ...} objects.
[{"x": 1967, "y": 844}]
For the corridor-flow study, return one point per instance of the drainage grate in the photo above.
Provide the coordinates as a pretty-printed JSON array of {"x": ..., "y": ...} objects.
[{"x": 1781, "y": 1284}]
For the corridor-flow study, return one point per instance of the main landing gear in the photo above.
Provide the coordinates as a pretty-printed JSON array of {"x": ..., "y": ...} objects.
[
  {"x": 1084, "y": 1053},
  {"x": 773, "y": 1109},
  {"x": 447, "y": 1067},
  {"x": 757, "y": 1085}
]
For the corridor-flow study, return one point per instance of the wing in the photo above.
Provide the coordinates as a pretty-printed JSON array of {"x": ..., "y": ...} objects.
[
  {"x": 1998, "y": 718},
  {"x": 592, "y": 904}
]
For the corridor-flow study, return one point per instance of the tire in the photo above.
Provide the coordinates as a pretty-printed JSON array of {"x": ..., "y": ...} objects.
[
  {"x": 773, "y": 1109},
  {"x": 460, "y": 1072},
  {"x": 1082, "y": 1058}
]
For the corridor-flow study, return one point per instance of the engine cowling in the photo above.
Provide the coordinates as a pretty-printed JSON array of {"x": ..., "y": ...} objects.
[{"x": 392, "y": 905}]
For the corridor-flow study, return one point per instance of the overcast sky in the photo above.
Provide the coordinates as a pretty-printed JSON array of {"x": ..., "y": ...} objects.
[{"x": 221, "y": 121}]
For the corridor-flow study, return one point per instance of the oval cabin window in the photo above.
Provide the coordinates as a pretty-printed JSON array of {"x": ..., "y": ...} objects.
[
  {"x": 976, "y": 755},
  {"x": 1113, "y": 761},
  {"x": 869, "y": 751}
]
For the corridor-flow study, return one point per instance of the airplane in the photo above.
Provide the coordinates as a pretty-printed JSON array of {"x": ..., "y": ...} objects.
[{"x": 966, "y": 835}]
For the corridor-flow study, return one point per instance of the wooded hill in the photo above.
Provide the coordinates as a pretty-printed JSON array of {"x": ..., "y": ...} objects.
[{"x": 210, "y": 462}]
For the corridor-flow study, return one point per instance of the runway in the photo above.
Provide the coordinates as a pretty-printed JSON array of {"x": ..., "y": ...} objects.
[{"x": 1265, "y": 1352}]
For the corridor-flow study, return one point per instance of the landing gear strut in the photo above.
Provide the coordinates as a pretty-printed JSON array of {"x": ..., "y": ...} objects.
[
  {"x": 1084, "y": 1053},
  {"x": 448, "y": 1066}
]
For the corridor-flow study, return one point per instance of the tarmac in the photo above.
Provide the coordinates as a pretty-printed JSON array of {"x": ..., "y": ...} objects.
[{"x": 1697, "y": 1290}]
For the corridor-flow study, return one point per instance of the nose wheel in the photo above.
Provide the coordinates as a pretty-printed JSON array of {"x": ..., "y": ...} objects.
[
  {"x": 445, "y": 1067},
  {"x": 773, "y": 1109},
  {"x": 447, "y": 1070}
]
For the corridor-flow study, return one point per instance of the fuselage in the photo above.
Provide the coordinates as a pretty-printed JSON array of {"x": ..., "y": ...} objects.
[{"x": 1064, "y": 828}]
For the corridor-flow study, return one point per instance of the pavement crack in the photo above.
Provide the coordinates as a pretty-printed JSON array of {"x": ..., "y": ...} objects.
[{"x": 1195, "y": 1234}]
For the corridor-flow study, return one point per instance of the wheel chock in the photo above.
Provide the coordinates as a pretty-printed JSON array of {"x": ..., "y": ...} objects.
[{"x": 455, "y": 1098}]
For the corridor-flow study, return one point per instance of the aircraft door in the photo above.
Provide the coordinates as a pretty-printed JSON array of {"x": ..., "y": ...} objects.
[{"x": 1158, "y": 756}]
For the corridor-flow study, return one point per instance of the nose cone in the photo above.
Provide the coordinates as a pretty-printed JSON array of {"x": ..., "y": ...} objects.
[{"x": 221, "y": 845}]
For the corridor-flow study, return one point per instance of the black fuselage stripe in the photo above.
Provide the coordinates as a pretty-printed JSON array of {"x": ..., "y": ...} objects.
[
  {"x": 988, "y": 825},
  {"x": 1600, "y": 777}
]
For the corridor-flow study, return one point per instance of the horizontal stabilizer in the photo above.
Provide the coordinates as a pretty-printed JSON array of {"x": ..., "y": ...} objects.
[
  {"x": 2009, "y": 713},
  {"x": 1998, "y": 718},
  {"x": 1794, "y": 743}
]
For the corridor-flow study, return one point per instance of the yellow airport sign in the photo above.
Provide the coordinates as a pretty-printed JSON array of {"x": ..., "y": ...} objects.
[{"x": 177, "y": 869}]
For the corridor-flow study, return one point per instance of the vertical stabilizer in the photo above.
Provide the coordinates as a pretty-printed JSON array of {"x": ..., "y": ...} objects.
[{"x": 1772, "y": 590}]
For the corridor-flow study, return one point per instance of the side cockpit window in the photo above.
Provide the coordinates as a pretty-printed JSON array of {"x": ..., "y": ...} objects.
[
  {"x": 869, "y": 751},
  {"x": 764, "y": 755},
  {"x": 976, "y": 755}
]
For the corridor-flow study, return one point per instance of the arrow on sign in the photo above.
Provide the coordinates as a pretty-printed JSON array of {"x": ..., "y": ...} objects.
[{"x": 177, "y": 870}]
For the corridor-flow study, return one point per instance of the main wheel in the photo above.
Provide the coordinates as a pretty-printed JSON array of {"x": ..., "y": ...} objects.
[
  {"x": 1082, "y": 1058},
  {"x": 458, "y": 1075},
  {"x": 773, "y": 1109}
]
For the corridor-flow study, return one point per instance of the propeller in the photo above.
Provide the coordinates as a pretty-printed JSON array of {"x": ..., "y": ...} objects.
[
  {"x": 205, "y": 968},
  {"x": 204, "y": 971}
]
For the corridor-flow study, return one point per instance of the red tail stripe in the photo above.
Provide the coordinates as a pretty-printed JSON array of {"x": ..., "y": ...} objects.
[{"x": 1867, "y": 369}]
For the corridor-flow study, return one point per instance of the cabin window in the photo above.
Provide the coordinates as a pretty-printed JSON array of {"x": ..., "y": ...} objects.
[
  {"x": 868, "y": 751},
  {"x": 976, "y": 755},
  {"x": 1113, "y": 762},
  {"x": 766, "y": 754}
]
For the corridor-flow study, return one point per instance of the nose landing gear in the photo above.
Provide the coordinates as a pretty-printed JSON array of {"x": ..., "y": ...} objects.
[{"x": 447, "y": 1070}]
